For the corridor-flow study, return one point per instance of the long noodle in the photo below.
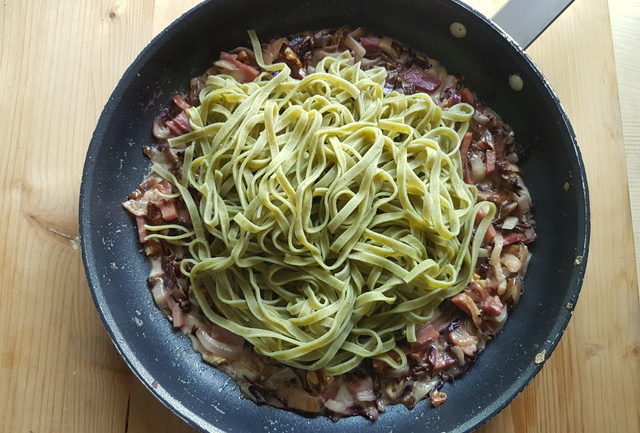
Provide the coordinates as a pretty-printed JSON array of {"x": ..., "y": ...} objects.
[{"x": 328, "y": 219}]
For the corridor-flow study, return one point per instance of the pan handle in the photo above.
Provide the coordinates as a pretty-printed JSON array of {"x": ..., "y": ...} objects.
[{"x": 525, "y": 20}]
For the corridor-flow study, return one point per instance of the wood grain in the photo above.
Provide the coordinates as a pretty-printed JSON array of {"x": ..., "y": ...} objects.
[
  {"x": 59, "y": 372},
  {"x": 625, "y": 16}
]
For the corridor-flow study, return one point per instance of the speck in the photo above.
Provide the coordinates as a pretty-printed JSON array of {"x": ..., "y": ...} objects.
[
  {"x": 570, "y": 306},
  {"x": 565, "y": 186},
  {"x": 578, "y": 260},
  {"x": 75, "y": 242},
  {"x": 138, "y": 321},
  {"x": 516, "y": 83},
  {"x": 540, "y": 357},
  {"x": 114, "y": 266},
  {"x": 458, "y": 30}
]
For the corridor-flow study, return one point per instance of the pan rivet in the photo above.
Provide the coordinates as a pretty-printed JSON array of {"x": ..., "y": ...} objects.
[
  {"x": 458, "y": 30},
  {"x": 516, "y": 83}
]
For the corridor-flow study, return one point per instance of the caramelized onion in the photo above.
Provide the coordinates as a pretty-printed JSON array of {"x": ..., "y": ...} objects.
[
  {"x": 216, "y": 347},
  {"x": 355, "y": 46},
  {"x": 477, "y": 167},
  {"x": 160, "y": 130},
  {"x": 510, "y": 223}
]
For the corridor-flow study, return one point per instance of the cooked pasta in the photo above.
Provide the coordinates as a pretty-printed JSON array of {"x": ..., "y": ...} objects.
[{"x": 328, "y": 219}]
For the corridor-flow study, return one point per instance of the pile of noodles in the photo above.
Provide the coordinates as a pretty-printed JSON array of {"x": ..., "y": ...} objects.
[{"x": 328, "y": 220}]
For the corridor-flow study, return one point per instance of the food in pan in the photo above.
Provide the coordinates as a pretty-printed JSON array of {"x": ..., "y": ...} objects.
[{"x": 334, "y": 221}]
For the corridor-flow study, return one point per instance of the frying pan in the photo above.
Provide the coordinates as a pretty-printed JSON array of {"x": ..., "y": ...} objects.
[{"x": 117, "y": 269}]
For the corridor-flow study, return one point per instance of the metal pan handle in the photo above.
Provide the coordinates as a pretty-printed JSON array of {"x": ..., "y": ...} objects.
[{"x": 525, "y": 20}]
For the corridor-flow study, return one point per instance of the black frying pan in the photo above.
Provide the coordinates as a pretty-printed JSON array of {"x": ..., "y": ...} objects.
[{"x": 117, "y": 270}]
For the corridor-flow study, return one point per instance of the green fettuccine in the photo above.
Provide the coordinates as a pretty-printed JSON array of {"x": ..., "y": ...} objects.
[{"x": 328, "y": 219}]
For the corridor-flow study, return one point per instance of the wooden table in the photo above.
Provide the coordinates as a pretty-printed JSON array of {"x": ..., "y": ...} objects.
[
  {"x": 59, "y": 372},
  {"x": 625, "y": 17}
]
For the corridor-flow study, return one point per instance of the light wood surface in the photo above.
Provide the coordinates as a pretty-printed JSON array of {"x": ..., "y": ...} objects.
[
  {"x": 59, "y": 372},
  {"x": 625, "y": 25}
]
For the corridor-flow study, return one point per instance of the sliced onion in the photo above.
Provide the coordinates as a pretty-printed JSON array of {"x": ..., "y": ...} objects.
[
  {"x": 477, "y": 167},
  {"x": 421, "y": 389},
  {"x": 524, "y": 198},
  {"x": 458, "y": 353},
  {"x": 367, "y": 395},
  {"x": 189, "y": 324},
  {"x": 282, "y": 377},
  {"x": 136, "y": 207},
  {"x": 503, "y": 314},
  {"x": 487, "y": 137},
  {"x": 462, "y": 338},
  {"x": 511, "y": 262},
  {"x": 513, "y": 158},
  {"x": 341, "y": 402},
  {"x": 525, "y": 261},
  {"x": 160, "y": 130},
  {"x": 229, "y": 69},
  {"x": 357, "y": 33},
  {"x": 512, "y": 168},
  {"x": 225, "y": 65},
  {"x": 469, "y": 350},
  {"x": 335, "y": 406},
  {"x": 157, "y": 290},
  {"x": 497, "y": 250},
  {"x": 513, "y": 292},
  {"x": 393, "y": 390},
  {"x": 216, "y": 347},
  {"x": 156, "y": 268},
  {"x": 466, "y": 304},
  {"x": 362, "y": 389},
  {"x": 480, "y": 118},
  {"x": 524, "y": 203},
  {"x": 355, "y": 46},
  {"x": 508, "y": 208},
  {"x": 246, "y": 369},
  {"x": 510, "y": 223},
  {"x": 273, "y": 50}
]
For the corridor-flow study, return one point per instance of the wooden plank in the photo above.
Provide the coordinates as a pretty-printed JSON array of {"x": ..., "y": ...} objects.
[
  {"x": 59, "y": 62},
  {"x": 61, "y": 372},
  {"x": 598, "y": 359},
  {"x": 625, "y": 16}
]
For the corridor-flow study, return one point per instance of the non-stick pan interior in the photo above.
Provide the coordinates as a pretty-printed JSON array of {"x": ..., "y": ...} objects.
[{"x": 117, "y": 269}]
